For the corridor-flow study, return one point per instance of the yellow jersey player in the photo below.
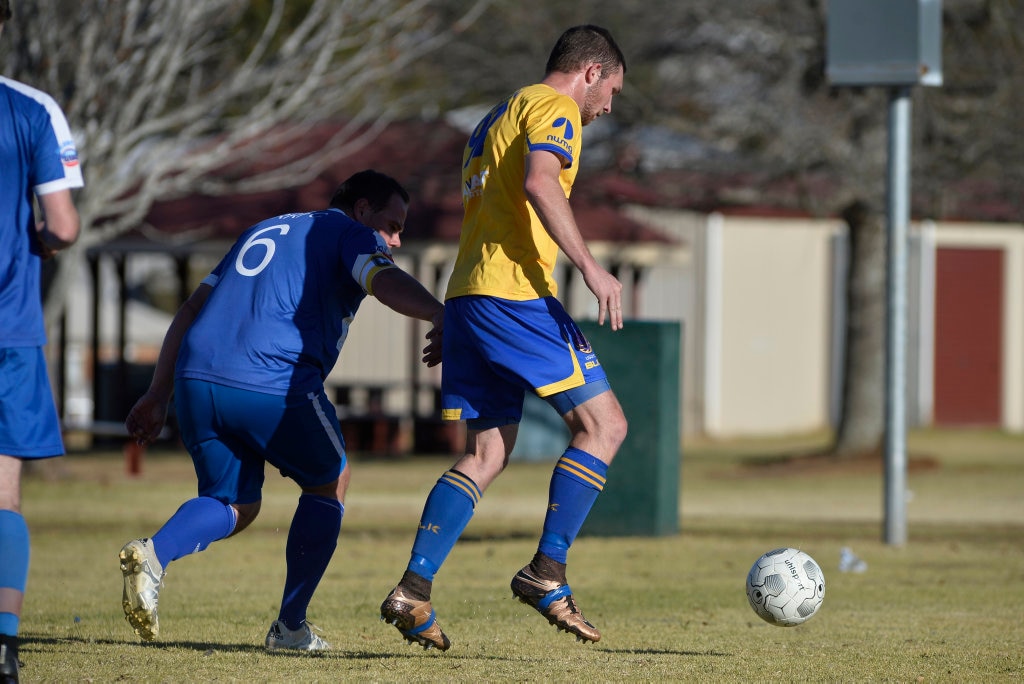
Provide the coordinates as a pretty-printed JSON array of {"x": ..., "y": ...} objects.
[{"x": 506, "y": 333}]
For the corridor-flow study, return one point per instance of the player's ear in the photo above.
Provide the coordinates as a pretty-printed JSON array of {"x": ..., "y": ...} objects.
[
  {"x": 593, "y": 73},
  {"x": 360, "y": 209}
]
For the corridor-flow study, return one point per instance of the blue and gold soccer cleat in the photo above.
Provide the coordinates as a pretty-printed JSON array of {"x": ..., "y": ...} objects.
[
  {"x": 554, "y": 601},
  {"x": 414, "y": 619}
]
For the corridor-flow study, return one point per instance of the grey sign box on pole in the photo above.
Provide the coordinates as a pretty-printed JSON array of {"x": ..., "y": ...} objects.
[
  {"x": 885, "y": 42},
  {"x": 896, "y": 44}
]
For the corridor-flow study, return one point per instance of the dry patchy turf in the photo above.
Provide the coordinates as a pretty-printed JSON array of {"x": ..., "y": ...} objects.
[{"x": 944, "y": 607}]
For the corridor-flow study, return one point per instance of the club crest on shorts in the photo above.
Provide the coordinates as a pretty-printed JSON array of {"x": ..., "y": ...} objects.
[{"x": 580, "y": 341}]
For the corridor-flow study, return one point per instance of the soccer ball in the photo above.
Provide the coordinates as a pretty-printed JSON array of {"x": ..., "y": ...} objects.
[{"x": 785, "y": 587}]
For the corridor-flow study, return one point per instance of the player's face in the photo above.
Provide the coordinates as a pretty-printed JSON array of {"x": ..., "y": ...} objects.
[
  {"x": 389, "y": 222},
  {"x": 598, "y": 97}
]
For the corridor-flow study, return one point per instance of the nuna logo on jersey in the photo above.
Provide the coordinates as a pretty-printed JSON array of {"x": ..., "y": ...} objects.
[{"x": 566, "y": 135}]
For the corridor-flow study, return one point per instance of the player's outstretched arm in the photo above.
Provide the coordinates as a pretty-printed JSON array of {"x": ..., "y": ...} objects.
[
  {"x": 400, "y": 292},
  {"x": 545, "y": 194},
  {"x": 148, "y": 415}
]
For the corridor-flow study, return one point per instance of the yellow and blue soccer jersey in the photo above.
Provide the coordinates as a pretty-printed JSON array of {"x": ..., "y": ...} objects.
[
  {"x": 37, "y": 155},
  {"x": 282, "y": 301},
  {"x": 504, "y": 249}
]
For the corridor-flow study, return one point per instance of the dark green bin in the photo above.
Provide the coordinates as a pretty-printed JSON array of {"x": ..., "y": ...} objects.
[{"x": 641, "y": 497}]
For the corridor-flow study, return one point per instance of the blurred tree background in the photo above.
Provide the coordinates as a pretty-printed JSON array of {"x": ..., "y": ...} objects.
[
  {"x": 160, "y": 93},
  {"x": 737, "y": 91}
]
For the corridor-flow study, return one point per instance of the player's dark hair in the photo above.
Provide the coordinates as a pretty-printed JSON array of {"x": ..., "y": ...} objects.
[
  {"x": 586, "y": 44},
  {"x": 5, "y": 10},
  {"x": 375, "y": 187}
]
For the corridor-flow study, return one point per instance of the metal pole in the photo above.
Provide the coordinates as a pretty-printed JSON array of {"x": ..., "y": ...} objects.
[{"x": 898, "y": 217}]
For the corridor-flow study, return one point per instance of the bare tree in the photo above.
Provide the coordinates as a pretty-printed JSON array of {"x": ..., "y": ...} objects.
[
  {"x": 971, "y": 130},
  {"x": 162, "y": 93}
]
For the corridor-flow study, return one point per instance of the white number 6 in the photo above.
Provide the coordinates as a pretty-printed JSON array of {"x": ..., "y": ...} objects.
[{"x": 253, "y": 240}]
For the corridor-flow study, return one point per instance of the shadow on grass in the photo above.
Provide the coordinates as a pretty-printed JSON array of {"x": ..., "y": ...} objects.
[
  {"x": 30, "y": 644},
  {"x": 416, "y": 653},
  {"x": 28, "y": 641},
  {"x": 664, "y": 651}
]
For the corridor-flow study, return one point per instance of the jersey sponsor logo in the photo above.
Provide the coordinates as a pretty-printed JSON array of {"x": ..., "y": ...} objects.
[
  {"x": 474, "y": 187},
  {"x": 68, "y": 153},
  {"x": 566, "y": 135}
]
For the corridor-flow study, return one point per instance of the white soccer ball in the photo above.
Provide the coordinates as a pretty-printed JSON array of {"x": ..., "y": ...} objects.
[{"x": 785, "y": 587}]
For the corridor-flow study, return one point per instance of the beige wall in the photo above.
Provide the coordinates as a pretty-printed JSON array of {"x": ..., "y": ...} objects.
[
  {"x": 772, "y": 281},
  {"x": 671, "y": 290}
]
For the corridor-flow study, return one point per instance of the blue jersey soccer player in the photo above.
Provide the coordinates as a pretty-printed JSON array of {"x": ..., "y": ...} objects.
[
  {"x": 507, "y": 334},
  {"x": 246, "y": 357},
  {"x": 37, "y": 155}
]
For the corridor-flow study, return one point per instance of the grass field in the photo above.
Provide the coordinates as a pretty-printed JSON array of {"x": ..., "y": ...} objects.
[{"x": 947, "y": 606}]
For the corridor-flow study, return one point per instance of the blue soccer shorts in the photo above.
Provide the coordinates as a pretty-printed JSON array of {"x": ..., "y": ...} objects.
[
  {"x": 497, "y": 349},
  {"x": 230, "y": 434},
  {"x": 29, "y": 426}
]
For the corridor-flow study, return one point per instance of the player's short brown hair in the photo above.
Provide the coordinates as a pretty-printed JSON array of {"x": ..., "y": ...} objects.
[{"x": 583, "y": 45}]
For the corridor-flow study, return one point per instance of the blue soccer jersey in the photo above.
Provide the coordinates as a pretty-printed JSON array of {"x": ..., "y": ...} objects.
[
  {"x": 282, "y": 301},
  {"x": 37, "y": 155}
]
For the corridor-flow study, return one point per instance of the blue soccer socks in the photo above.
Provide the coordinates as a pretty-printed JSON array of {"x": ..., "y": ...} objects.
[
  {"x": 197, "y": 523},
  {"x": 14, "y": 556},
  {"x": 575, "y": 483},
  {"x": 446, "y": 513},
  {"x": 312, "y": 538}
]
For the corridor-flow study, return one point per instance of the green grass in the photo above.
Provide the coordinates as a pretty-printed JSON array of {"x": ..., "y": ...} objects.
[{"x": 947, "y": 606}]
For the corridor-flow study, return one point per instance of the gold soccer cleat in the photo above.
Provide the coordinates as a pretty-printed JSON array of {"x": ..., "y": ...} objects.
[
  {"x": 143, "y": 577},
  {"x": 555, "y": 602},
  {"x": 415, "y": 619}
]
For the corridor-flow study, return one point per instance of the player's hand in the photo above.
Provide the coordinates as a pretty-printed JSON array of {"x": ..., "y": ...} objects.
[
  {"x": 432, "y": 352},
  {"x": 608, "y": 291},
  {"x": 38, "y": 247},
  {"x": 147, "y": 418}
]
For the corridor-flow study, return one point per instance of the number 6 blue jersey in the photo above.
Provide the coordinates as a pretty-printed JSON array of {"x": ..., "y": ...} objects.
[{"x": 282, "y": 301}]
